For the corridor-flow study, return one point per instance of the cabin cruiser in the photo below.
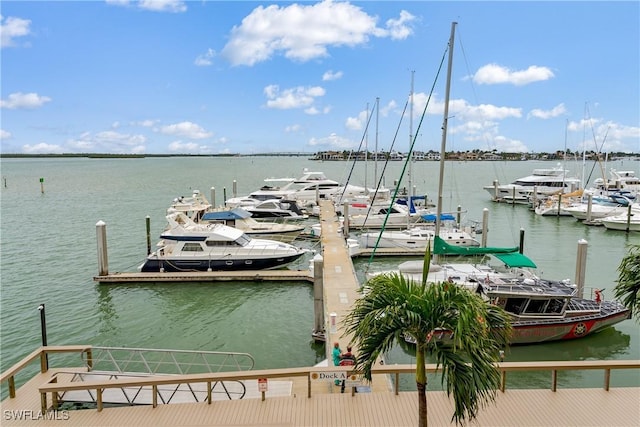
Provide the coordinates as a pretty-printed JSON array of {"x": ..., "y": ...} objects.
[
  {"x": 306, "y": 189},
  {"x": 243, "y": 220},
  {"x": 541, "y": 310},
  {"x": 543, "y": 182},
  {"x": 277, "y": 208},
  {"x": 188, "y": 246},
  {"x": 629, "y": 219}
]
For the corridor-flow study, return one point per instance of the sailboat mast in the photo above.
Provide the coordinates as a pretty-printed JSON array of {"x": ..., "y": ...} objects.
[
  {"x": 410, "y": 194},
  {"x": 443, "y": 146}
]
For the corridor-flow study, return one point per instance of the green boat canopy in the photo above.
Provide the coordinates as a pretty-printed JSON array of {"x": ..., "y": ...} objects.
[{"x": 510, "y": 256}]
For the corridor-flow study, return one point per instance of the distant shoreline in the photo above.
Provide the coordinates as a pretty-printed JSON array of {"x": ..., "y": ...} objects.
[{"x": 311, "y": 156}]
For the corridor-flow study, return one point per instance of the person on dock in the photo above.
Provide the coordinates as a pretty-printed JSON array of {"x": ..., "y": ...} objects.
[
  {"x": 347, "y": 359},
  {"x": 337, "y": 355}
]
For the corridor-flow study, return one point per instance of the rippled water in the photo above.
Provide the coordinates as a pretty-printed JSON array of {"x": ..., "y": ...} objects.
[{"x": 49, "y": 255}]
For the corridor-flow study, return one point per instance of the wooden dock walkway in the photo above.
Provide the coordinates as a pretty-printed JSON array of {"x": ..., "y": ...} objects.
[{"x": 540, "y": 407}]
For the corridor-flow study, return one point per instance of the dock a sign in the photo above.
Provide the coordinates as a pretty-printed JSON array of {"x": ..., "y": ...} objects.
[{"x": 350, "y": 378}]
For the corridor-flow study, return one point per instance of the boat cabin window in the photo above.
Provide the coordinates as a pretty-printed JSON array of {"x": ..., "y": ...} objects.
[
  {"x": 555, "y": 306},
  {"x": 536, "y": 306},
  {"x": 515, "y": 305},
  {"x": 192, "y": 247}
]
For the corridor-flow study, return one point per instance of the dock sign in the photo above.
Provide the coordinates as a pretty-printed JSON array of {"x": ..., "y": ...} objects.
[
  {"x": 262, "y": 385},
  {"x": 350, "y": 378}
]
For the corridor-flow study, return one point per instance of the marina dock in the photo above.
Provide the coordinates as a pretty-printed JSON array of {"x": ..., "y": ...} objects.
[{"x": 309, "y": 402}]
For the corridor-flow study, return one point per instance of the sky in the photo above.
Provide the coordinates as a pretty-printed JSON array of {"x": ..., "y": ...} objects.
[{"x": 216, "y": 77}]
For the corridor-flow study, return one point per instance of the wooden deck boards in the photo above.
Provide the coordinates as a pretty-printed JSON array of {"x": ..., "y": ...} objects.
[{"x": 575, "y": 407}]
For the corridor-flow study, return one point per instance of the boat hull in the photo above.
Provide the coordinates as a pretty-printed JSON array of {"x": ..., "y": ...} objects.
[
  {"x": 155, "y": 264},
  {"x": 569, "y": 328}
]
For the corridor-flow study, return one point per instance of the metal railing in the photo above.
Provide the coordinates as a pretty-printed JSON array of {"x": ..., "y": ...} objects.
[{"x": 163, "y": 361}]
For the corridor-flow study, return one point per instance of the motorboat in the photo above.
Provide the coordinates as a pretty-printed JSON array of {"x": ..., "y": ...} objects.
[
  {"x": 277, "y": 208},
  {"x": 306, "y": 189},
  {"x": 541, "y": 310},
  {"x": 189, "y": 246},
  {"x": 557, "y": 205},
  {"x": 397, "y": 215},
  {"x": 627, "y": 220},
  {"x": 625, "y": 182},
  {"x": 243, "y": 220},
  {"x": 543, "y": 182},
  {"x": 419, "y": 236}
]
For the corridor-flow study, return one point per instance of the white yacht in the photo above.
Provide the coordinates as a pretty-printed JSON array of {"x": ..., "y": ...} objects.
[{"x": 544, "y": 181}]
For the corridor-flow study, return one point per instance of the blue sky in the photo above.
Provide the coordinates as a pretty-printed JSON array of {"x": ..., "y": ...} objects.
[{"x": 210, "y": 77}]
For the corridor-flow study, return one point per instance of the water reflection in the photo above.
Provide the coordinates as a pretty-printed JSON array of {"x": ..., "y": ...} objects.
[{"x": 609, "y": 343}]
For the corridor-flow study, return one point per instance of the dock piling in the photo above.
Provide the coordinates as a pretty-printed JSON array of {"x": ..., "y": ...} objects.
[{"x": 103, "y": 259}]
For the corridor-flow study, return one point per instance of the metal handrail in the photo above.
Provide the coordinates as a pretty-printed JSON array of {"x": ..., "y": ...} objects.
[{"x": 166, "y": 361}]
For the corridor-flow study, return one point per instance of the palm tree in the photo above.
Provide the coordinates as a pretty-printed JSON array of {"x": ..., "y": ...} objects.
[
  {"x": 627, "y": 289},
  {"x": 393, "y": 306}
]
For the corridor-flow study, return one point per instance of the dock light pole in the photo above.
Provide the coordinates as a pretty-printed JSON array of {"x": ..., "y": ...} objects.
[{"x": 43, "y": 330}]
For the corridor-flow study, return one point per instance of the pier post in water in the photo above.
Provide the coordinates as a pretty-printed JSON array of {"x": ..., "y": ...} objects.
[
  {"x": 103, "y": 259},
  {"x": 581, "y": 266},
  {"x": 485, "y": 226},
  {"x": 318, "y": 299},
  {"x": 148, "y": 225}
]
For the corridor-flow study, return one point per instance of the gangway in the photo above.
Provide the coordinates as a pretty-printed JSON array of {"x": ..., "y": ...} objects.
[{"x": 127, "y": 363}]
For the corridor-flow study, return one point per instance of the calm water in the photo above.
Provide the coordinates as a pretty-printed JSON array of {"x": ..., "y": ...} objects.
[{"x": 49, "y": 255}]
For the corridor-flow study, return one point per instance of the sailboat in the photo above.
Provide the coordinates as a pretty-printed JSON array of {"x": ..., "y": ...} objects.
[
  {"x": 414, "y": 231},
  {"x": 541, "y": 310}
]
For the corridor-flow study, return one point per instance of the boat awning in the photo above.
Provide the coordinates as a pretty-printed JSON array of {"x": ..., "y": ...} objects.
[
  {"x": 226, "y": 215},
  {"x": 510, "y": 256},
  {"x": 443, "y": 217},
  {"x": 515, "y": 259}
]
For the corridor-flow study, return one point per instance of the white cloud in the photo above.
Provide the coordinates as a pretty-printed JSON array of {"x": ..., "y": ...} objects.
[
  {"x": 145, "y": 123},
  {"x": 504, "y": 144},
  {"x": 358, "y": 122},
  {"x": 24, "y": 100},
  {"x": 108, "y": 141},
  {"x": 175, "y": 6},
  {"x": 163, "y": 5},
  {"x": 186, "y": 129},
  {"x": 293, "y": 128},
  {"x": 42, "y": 148},
  {"x": 187, "y": 147},
  {"x": 297, "y": 97},
  {"x": 305, "y": 32},
  {"x": 331, "y": 75},
  {"x": 12, "y": 28},
  {"x": 556, "y": 111},
  {"x": 398, "y": 28},
  {"x": 497, "y": 74},
  {"x": 205, "y": 59},
  {"x": 332, "y": 141},
  {"x": 4, "y": 134}
]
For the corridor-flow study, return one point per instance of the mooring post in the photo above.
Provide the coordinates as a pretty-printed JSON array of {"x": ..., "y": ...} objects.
[
  {"x": 318, "y": 298},
  {"x": 521, "y": 248},
  {"x": 581, "y": 266},
  {"x": 148, "y": 224},
  {"x": 235, "y": 188},
  {"x": 345, "y": 224},
  {"x": 485, "y": 226},
  {"x": 103, "y": 259},
  {"x": 589, "y": 206}
]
